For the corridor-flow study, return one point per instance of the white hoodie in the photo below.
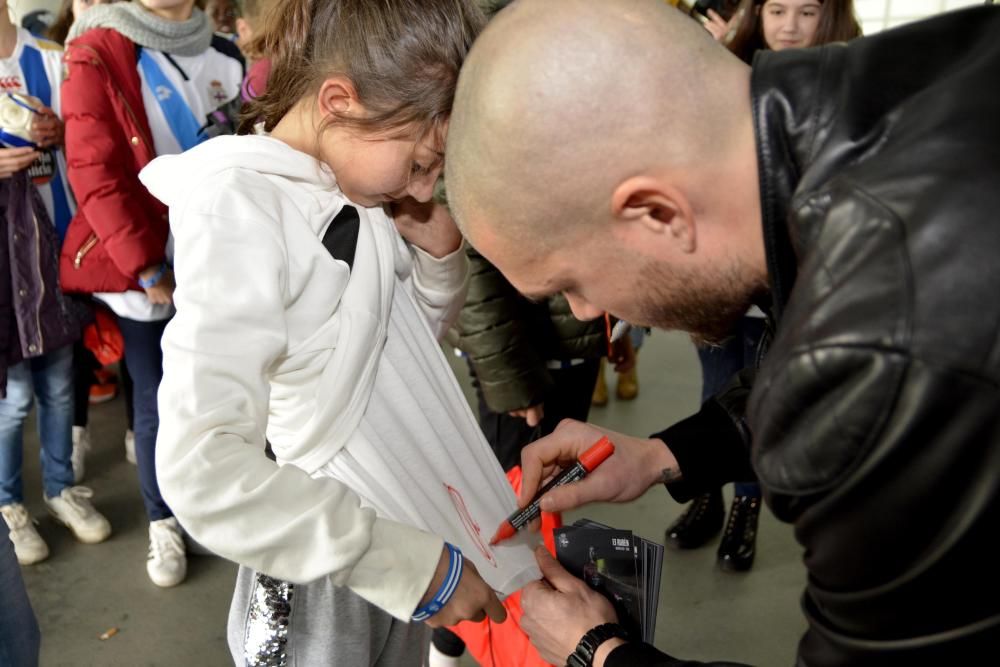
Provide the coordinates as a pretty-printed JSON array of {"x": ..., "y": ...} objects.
[{"x": 337, "y": 368}]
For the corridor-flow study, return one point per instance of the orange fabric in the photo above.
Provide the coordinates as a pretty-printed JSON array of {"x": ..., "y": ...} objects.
[
  {"x": 505, "y": 644},
  {"x": 103, "y": 337}
]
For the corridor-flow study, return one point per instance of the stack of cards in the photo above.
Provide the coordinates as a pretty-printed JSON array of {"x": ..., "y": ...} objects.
[{"x": 621, "y": 566}]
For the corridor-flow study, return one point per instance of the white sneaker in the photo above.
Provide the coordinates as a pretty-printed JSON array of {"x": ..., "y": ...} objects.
[
  {"x": 81, "y": 445},
  {"x": 130, "y": 446},
  {"x": 167, "y": 564},
  {"x": 28, "y": 544},
  {"x": 72, "y": 508}
]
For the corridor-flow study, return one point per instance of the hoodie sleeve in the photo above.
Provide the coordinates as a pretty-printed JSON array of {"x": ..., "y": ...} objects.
[
  {"x": 217, "y": 354},
  {"x": 440, "y": 286}
]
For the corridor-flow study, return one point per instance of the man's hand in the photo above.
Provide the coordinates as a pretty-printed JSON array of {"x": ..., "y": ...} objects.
[
  {"x": 429, "y": 226},
  {"x": 532, "y": 415},
  {"x": 636, "y": 465},
  {"x": 474, "y": 600},
  {"x": 13, "y": 160},
  {"x": 47, "y": 128},
  {"x": 560, "y": 610}
]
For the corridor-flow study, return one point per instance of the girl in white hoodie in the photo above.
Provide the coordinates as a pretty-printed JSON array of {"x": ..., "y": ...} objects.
[{"x": 307, "y": 318}]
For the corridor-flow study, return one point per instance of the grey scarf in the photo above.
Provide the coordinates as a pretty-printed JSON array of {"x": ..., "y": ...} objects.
[{"x": 184, "y": 38}]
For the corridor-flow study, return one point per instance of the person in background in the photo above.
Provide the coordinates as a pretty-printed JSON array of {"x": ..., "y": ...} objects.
[
  {"x": 37, "y": 325},
  {"x": 224, "y": 14},
  {"x": 626, "y": 351},
  {"x": 92, "y": 383},
  {"x": 756, "y": 25},
  {"x": 142, "y": 78},
  {"x": 258, "y": 64},
  {"x": 20, "y": 639}
]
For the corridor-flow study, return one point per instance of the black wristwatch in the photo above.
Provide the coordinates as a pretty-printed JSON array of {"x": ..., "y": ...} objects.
[{"x": 583, "y": 656}]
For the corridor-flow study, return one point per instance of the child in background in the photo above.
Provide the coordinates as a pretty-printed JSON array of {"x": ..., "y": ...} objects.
[
  {"x": 142, "y": 77},
  {"x": 92, "y": 383},
  {"x": 38, "y": 326},
  {"x": 305, "y": 320},
  {"x": 258, "y": 64}
]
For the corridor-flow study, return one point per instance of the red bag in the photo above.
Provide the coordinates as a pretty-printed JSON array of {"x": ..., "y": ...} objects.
[
  {"x": 103, "y": 337},
  {"x": 505, "y": 644}
]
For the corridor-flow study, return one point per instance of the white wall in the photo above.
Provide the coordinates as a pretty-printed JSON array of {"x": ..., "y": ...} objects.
[
  {"x": 19, "y": 8},
  {"x": 877, "y": 15}
]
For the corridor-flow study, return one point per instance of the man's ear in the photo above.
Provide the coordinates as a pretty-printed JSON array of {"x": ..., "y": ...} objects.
[
  {"x": 338, "y": 97},
  {"x": 658, "y": 207}
]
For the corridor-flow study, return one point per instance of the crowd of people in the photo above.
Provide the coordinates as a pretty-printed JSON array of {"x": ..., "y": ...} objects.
[{"x": 256, "y": 196}]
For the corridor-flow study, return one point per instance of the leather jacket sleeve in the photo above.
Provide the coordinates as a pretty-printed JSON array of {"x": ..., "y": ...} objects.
[
  {"x": 712, "y": 447},
  {"x": 645, "y": 655}
]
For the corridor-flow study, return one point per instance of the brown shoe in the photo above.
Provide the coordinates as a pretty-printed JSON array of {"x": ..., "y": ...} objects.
[
  {"x": 600, "y": 396},
  {"x": 628, "y": 384}
]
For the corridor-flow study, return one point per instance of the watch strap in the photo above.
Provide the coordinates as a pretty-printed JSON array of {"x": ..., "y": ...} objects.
[{"x": 583, "y": 655}]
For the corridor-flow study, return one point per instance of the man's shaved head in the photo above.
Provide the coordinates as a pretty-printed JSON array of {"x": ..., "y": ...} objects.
[
  {"x": 547, "y": 119},
  {"x": 605, "y": 150}
]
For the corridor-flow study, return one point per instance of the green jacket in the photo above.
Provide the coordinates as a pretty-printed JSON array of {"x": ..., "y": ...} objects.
[{"x": 508, "y": 339}]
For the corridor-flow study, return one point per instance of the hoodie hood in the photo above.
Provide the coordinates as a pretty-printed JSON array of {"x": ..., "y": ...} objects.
[{"x": 174, "y": 178}]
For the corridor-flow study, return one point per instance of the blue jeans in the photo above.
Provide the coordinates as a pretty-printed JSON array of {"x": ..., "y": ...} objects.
[
  {"x": 19, "y": 636},
  {"x": 50, "y": 378},
  {"x": 144, "y": 359},
  {"x": 720, "y": 364}
]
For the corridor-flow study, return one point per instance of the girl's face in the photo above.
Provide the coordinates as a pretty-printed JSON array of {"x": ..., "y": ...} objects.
[
  {"x": 170, "y": 9},
  {"x": 789, "y": 24},
  {"x": 80, "y": 6},
  {"x": 373, "y": 170}
]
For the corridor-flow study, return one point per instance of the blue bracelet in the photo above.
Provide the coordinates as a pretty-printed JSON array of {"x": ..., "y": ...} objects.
[
  {"x": 149, "y": 282},
  {"x": 447, "y": 589}
]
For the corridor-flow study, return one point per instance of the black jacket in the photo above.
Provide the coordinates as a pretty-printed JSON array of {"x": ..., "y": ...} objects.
[
  {"x": 875, "y": 416},
  {"x": 509, "y": 339},
  {"x": 35, "y": 317}
]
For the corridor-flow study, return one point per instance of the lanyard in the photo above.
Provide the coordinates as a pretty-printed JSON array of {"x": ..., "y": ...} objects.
[
  {"x": 36, "y": 83},
  {"x": 180, "y": 118}
]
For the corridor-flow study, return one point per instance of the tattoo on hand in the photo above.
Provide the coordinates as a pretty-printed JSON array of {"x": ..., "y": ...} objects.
[{"x": 668, "y": 475}]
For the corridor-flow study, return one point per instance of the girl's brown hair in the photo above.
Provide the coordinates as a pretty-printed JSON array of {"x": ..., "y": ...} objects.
[
  {"x": 64, "y": 21},
  {"x": 403, "y": 57},
  {"x": 837, "y": 23}
]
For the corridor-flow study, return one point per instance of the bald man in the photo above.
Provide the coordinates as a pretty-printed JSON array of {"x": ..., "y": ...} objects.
[{"x": 613, "y": 152}]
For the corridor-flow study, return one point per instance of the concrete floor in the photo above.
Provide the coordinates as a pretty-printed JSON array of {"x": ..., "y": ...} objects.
[{"x": 82, "y": 591}]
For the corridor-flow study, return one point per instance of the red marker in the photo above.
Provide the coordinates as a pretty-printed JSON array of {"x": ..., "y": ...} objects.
[{"x": 589, "y": 460}]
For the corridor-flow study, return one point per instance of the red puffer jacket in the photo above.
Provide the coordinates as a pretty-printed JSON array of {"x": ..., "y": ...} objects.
[{"x": 119, "y": 228}]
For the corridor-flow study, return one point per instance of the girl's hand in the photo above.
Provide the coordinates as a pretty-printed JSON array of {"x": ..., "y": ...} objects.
[
  {"x": 13, "y": 160},
  {"x": 429, "y": 226},
  {"x": 533, "y": 415},
  {"x": 473, "y": 600},
  {"x": 47, "y": 128},
  {"x": 718, "y": 26},
  {"x": 163, "y": 291}
]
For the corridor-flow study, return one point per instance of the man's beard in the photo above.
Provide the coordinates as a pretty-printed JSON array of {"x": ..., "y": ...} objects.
[{"x": 706, "y": 306}]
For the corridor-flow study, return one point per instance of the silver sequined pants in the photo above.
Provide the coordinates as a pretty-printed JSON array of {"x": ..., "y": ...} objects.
[{"x": 277, "y": 624}]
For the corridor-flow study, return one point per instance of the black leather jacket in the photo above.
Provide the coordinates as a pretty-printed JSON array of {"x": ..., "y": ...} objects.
[{"x": 875, "y": 416}]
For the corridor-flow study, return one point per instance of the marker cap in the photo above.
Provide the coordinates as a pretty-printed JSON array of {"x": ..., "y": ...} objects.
[{"x": 596, "y": 455}]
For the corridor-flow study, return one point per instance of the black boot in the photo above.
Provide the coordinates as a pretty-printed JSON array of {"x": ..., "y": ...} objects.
[
  {"x": 737, "y": 549},
  {"x": 698, "y": 524}
]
